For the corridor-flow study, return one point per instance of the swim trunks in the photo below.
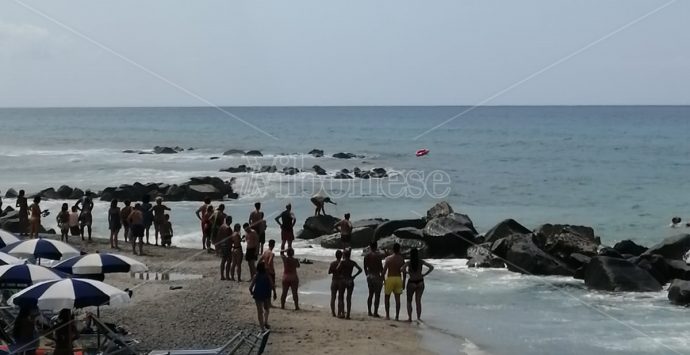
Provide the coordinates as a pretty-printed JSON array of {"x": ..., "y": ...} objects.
[
  {"x": 393, "y": 284},
  {"x": 346, "y": 237},
  {"x": 287, "y": 235},
  {"x": 137, "y": 231},
  {"x": 375, "y": 282},
  {"x": 262, "y": 237},
  {"x": 251, "y": 254}
]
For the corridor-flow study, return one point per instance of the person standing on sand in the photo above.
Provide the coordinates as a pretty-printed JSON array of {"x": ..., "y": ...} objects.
[
  {"x": 85, "y": 205},
  {"x": 267, "y": 258},
  {"x": 415, "y": 285},
  {"x": 393, "y": 284},
  {"x": 63, "y": 222},
  {"x": 286, "y": 221},
  {"x": 74, "y": 228},
  {"x": 206, "y": 226},
  {"x": 201, "y": 215},
  {"x": 344, "y": 226},
  {"x": 136, "y": 222},
  {"x": 260, "y": 289},
  {"x": 258, "y": 216},
  {"x": 290, "y": 278},
  {"x": 319, "y": 200},
  {"x": 158, "y": 217},
  {"x": 166, "y": 231},
  {"x": 35, "y": 221},
  {"x": 23, "y": 206},
  {"x": 147, "y": 214},
  {"x": 114, "y": 223},
  {"x": 65, "y": 332},
  {"x": 236, "y": 245},
  {"x": 373, "y": 268},
  {"x": 224, "y": 246},
  {"x": 335, "y": 279},
  {"x": 252, "y": 248},
  {"x": 124, "y": 213},
  {"x": 217, "y": 219},
  {"x": 345, "y": 268}
]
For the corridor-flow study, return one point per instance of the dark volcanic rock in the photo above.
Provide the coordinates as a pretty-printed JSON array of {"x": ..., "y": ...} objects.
[
  {"x": 655, "y": 265},
  {"x": 344, "y": 171},
  {"x": 524, "y": 256},
  {"x": 164, "y": 150},
  {"x": 405, "y": 246},
  {"x": 319, "y": 170},
  {"x": 610, "y": 252},
  {"x": 677, "y": 269},
  {"x": 629, "y": 247},
  {"x": 386, "y": 229},
  {"x": 577, "y": 260},
  {"x": 344, "y": 155},
  {"x": 318, "y": 153},
  {"x": 76, "y": 194},
  {"x": 481, "y": 256},
  {"x": 679, "y": 292},
  {"x": 320, "y": 225},
  {"x": 504, "y": 229},
  {"x": 64, "y": 191},
  {"x": 234, "y": 152},
  {"x": 290, "y": 170},
  {"x": 49, "y": 194},
  {"x": 239, "y": 169},
  {"x": 372, "y": 222},
  {"x": 561, "y": 245},
  {"x": 450, "y": 235},
  {"x": 306, "y": 234},
  {"x": 378, "y": 173},
  {"x": 440, "y": 209},
  {"x": 253, "y": 153},
  {"x": 214, "y": 158},
  {"x": 11, "y": 193},
  {"x": 548, "y": 230},
  {"x": 446, "y": 224},
  {"x": 268, "y": 169},
  {"x": 409, "y": 233},
  {"x": 674, "y": 247},
  {"x": 341, "y": 175},
  {"x": 201, "y": 191},
  {"x": 613, "y": 274},
  {"x": 361, "y": 237}
]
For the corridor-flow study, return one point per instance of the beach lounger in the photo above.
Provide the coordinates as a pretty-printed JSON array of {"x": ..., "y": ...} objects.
[
  {"x": 257, "y": 342},
  {"x": 236, "y": 340},
  {"x": 114, "y": 343}
]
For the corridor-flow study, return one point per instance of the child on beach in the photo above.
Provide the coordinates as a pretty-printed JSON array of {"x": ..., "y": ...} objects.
[
  {"x": 159, "y": 217},
  {"x": 166, "y": 232},
  {"x": 63, "y": 222},
  {"x": 74, "y": 229},
  {"x": 260, "y": 289}
]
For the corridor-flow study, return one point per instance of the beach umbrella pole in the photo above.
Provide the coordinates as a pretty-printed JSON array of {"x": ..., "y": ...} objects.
[{"x": 98, "y": 329}]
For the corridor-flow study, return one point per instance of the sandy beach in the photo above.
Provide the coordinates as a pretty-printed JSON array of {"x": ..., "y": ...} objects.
[{"x": 205, "y": 311}]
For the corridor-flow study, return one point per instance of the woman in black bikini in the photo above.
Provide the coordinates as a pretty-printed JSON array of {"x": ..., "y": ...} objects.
[{"x": 415, "y": 285}]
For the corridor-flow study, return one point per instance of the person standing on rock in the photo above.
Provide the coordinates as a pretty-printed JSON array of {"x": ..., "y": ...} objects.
[
  {"x": 344, "y": 226},
  {"x": 136, "y": 223},
  {"x": 236, "y": 247},
  {"x": 415, "y": 285},
  {"x": 124, "y": 213},
  {"x": 35, "y": 222},
  {"x": 290, "y": 278},
  {"x": 286, "y": 221},
  {"x": 114, "y": 223},
  {"x": 23, "y": 206},
  {"x": 252, "y": 248},
  {"x": 393, "y": 284},
  {"x": 345, "y": 268},
  {"x": 254, "y": 218},
  {"x": 148, "y": 215},
  {"x": 201, "y": 215},
  {"x": 85, "y": 205},
  {"x": 373, "y": 268},
  {"x": 158, "y": 216},
  {"x": 336, "y": 280},
  {"x": 63, "y": 222},
  {"x": 319, "y": 200}
]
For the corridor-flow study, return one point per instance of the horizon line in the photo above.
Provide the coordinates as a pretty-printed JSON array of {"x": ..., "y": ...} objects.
[{"x": 342, "y": 106}]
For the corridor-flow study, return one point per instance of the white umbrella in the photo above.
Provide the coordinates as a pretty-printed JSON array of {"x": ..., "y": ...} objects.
[
  {"x": 24, "y": 275},
  {"x": 100, "y": 263},
  {"x": 68, "y": 294},
  {"x": 7, "y": 259},
  {"x": 7, "y": 238},
  {"x": 42, "y": 249}
]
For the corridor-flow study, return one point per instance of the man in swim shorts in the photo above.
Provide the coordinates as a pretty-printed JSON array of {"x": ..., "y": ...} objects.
[
  {"x": 394, "y": 282},
  {"x": 136, "y": 222},
  {"x": 373, "y": 268},
  {"x": 344, "y": 226},
  {"x": 319, "y": 200},
  {"x": 286, "y": 221},
  {"x": 252, "y": 254},
  {"x": 256, "y": 220}
]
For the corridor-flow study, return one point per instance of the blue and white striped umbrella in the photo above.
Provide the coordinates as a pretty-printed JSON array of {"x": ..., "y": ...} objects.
[
  {"x": 69, "y": 294},
  {"x": 100, "y": 263},
  {"x": 7, "y": 259},
  {"x": 25, "y": 275},
  {"x": 41, "y": 248},
  {"x": 7, "y": 238}
]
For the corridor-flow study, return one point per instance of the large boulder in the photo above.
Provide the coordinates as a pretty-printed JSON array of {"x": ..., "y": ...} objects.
[
  {"x": 655, "y": 265},
  {"x": 377, "y": 173},
  {"x": 386, "y": 229},
  {"x": 449, "y": 236},
  {"x": 548, "y": 230},
  {"x": 481, "y": 256},
  {"x": 344, "y": 155},
  {"x": 440, "y": 209},
  {"x": 613, "y": 274},
  {"x": 406, "y": 245},
  {"x": 629, "y": 247},
  {"x": 504, "y": 229},
  {"x": 679, "y": 292},
  {"x": 677, "y": 269},
  {"x": 306, "y": 234},
  {"x": 409, "y": 233},
  {"x": 342, "y": 175},
  {"x": 673, "y": 247},
  {"x": 164, "y": 150},
  {"x": 524, "y": 256},
  {"x": 202, "y": 191},
  {"x": 253, "y": 153},
  {"x": 76, "y": 194},
  {"x": 561, "y": 245},
  {"x": 317, "y": 153},
  {"x": 361, "y": 238},
  {"x": 319, "y": 170},
  {"x": 444, "y": 225},
  {"x": 64, "y": 191},
  {"x": 11, "y": 193},
  {"x": 320, "y": 225},
  {"x": 10, "y": 222},
  {"x": 49, "y": 194},
  {"x": 371, "y": 222},
  {"x": 234, "y": 152}
]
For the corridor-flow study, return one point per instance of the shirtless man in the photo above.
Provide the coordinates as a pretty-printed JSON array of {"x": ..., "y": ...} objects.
[
  {"x": 267, "y": 258},
  {"x": 35, "y": 221},
  {"x": 394, "y": 282},
  {"x": 236, "y": 248},
  {"x": 124, "y": 213},
  {"x": 373, "y": 268},
  {"x": 201, "y": 214},
  {"x": 286, "y": 221},
  {"x": 254, "y": 218},
  {"x": 319, "y": 201},
  {"x": 344, "y": 268},
  {"x": 158, "y": 216},
  {"x": 224, "y": 246},
  {"x": 252, "y": 254},
  {"x": 217, "y": 219},
  {"x": 136, "y": 223},
  {"x": 344, "y": 226},
  {"x": 335, "y": 279},
  {"x": 85, "y": 205}
]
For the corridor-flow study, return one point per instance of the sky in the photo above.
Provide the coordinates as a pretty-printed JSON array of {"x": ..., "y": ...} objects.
[{"x": 357, "y": 52}]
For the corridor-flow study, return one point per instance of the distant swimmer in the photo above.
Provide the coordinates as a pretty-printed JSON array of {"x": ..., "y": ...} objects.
[
  {"x": 344, "y": 226},
  {"x": 415, "y": 284},
  {"x": 319, "y": 201},
  {"x": 393, "y": 283},
  {"x": 675, "y": 222}
]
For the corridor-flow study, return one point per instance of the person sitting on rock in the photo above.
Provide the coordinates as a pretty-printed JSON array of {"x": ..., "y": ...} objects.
[{"x": 319, "y": 201}]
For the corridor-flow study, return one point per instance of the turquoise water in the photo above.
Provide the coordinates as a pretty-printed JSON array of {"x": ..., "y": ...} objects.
[{"x": 622, "y": 170}]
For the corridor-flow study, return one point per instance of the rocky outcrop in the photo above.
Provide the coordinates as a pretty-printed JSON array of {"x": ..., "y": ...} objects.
[
  {"x": 405, "y": 246},
  {"x": 371, "y": 222},
  {"x": 361, "y": 238},
  {"x": 677, "y": 269},
  {"x": 253, "y": 153},
  {"x": 613, "y": 274},
  {"x": 167, "y": 150},
  {"x": 319, "y": 170},
  {"x": 481, "y": 256},
  {"x": 234, "y": 152},
  {"x": 441, "y": 209},
  {"x": 674, "y": 247},
  {"x": 320, "y": 225},
  {"x": 610, "y": 252},
  {"x": 450, "y": 235},
  {"x": 239, "y": 169},
  {"x": 342, "y": 175},
  {"x": 10, "y": 223},
  {"x": 290, "y": 170},
  {"x": 561, "y": 245},
  {"x": 11, "y": 193},
  {"x": 505, "y": 229},
  {"x": 386, "y": 229},
  {"x": 629, "y": 247},
  {"x": 317, "y": 153},
  {"x": 346, "y": 156},
  {"x": 196, "y": 189},
  {"x": 548, "y": 230},
  {"x": 522, "y": 255},
  {"x": 679, "y": 292},
  {"x": 655, "y": 265}
]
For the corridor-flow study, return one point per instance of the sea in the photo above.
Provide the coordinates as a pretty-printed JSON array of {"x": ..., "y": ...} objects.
[{"x": 622, "y": 170}]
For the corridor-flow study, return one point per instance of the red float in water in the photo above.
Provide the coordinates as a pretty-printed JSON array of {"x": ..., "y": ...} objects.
[{"x": 422, "y": 152}]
